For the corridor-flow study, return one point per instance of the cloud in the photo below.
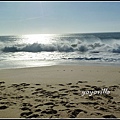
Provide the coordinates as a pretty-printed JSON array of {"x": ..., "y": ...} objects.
[{"x": 32, "y": 18}]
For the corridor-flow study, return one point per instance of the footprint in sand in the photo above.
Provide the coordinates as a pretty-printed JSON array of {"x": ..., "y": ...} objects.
[
  {"x": 49, "y": 111},
  {"x": 27, "y": 104},
  {"x": 63, "y": 94},
  {"x": 75, "y": 93},
  {"x": 107, "y": 96},
  {"x": 48, "y": 85},
  {"x": 3, "y": 107},
  {"x": 96, "y": 113},
  {"x": 83, "y": 89},
  {"x": 61, "y": 85},
  {"x": 38, "y": 105},
  {"x": 37, "y": 110},
  {"x": 90, "y": 98},
  {"x": 69, "y": 84},
  {"x": 49, "y": 103},
  {"x": 34, "y": 93},
  {"x": 25, "y": 108},
  {"x": 74, "y": 90},
  {"x": 101, "y": 108},
  {"x": 25, "y": 114},
  {"x": 55, "y": 96},
  {"x": 69, "y": 105},
  {"x": 74, "y": 86},
  {"x": 113, "y": 88},
  {"x": 33, "y": 116},
  {"x": 87, "y": 86},
  {"x": 76, "y": 112},
  {"x": 109, "y": 116},
  {"x": 37, "y": 84},
  {"x": 81, "y": 82},
  {"x": 38, "y": 100},
  {"x": 63, "y": 103},
  {"x": 96, "y": 88},
  {"x": 2, "y": 82},
  {"x": 89, "y": 103},
  {"x": 62, "y": 89},
  {"x": 99, "y": 81},
  {"x": 39, "y": 89},
  {"x": 24, "y": 84},
  {"x": 14, "y": 85},
  {"x": 2, "y": 87}
]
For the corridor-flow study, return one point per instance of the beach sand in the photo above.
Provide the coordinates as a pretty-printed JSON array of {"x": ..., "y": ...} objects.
[{"x": 67, "y": 91}]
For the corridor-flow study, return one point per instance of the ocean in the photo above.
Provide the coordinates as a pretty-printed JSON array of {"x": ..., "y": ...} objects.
[{"x": 59, "y": 49}]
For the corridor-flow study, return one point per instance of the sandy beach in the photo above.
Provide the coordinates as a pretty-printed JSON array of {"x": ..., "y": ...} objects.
[{"x": 61, "y": 91}]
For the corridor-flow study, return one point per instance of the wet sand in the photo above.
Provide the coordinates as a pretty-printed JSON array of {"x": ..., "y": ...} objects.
[{"x": 57, "y": 92}]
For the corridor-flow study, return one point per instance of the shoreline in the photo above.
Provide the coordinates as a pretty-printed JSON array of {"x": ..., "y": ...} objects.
[
  {"x": 58, "y": 63},
  {"x": 96, "y": 65},
  {"x": 62, "y": 73}
]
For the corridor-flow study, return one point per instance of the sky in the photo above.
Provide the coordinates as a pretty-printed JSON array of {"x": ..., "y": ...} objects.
[{"x": 19, "y": 18}]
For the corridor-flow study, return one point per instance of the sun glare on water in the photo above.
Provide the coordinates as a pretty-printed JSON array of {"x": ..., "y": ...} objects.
[{"x": 38, "y": 38}]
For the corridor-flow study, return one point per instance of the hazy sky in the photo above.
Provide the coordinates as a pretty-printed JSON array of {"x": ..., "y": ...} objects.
[{"x": 58, "y": 17}]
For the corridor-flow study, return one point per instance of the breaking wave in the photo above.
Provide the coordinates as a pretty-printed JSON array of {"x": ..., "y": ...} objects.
[{"x": 81, "y": 47}]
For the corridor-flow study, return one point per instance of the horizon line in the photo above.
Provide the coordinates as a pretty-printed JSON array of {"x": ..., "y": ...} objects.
[{"x": 59, "y": 33}]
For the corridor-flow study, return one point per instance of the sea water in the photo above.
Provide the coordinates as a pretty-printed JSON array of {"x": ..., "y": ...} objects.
[{"x": 55, "y": 49}]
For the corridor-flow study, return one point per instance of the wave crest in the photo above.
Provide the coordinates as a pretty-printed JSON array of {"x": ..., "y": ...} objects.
[{"x": 96, "y": 47}]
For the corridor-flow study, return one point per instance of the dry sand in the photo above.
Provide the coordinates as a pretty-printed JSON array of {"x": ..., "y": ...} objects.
[{"x": 57, "y": 92}]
